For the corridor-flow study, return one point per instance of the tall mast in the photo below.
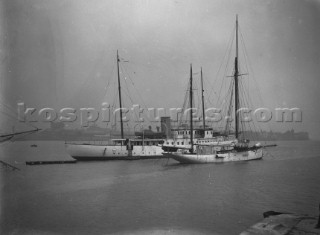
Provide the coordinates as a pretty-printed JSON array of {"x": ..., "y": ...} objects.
[
  {"x": 191, "y": 121},
  {"x": 236, "y": 75},
  {"x": 119, "y": 88},
  {"x": 203, "y": 114}
]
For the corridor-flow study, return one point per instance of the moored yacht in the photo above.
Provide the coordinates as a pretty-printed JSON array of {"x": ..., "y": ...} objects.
[
  {"x": 238, "y": 149},
  {"x": 118, "y": 149}
]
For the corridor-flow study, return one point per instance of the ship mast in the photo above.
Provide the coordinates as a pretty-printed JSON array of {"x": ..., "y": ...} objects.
[
  {"x": 119, "y": 88},
  {"x": 191, "y": 121},
  {"x": 236, "y": 88},
  {"x": 203, "y": 114}
]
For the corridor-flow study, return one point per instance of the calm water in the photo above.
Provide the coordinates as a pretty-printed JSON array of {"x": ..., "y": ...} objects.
[{"x": 152, "y": 196}]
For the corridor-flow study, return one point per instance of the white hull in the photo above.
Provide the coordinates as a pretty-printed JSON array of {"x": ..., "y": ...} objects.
[
  {"x": 232, "y": 156},
  {"x": 86, "y": 152}
]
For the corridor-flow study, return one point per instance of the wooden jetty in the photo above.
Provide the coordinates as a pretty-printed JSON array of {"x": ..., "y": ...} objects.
[{"x": 50, "y": 162}]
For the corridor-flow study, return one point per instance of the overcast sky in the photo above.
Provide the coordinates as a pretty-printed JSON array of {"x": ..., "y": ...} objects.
[{"x": 62, "y": 53}]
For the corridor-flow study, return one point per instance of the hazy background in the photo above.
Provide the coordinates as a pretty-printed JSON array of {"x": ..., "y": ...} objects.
[{"x": 62, "y": 53}]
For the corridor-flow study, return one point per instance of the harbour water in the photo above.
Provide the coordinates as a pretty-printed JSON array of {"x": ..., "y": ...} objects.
[{"x": 152, "y": 196}]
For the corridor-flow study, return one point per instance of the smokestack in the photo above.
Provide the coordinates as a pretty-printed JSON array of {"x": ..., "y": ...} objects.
[{"x": 166, "y": 126}]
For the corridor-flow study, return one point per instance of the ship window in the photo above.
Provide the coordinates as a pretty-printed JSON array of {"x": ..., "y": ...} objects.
[
  {"x": 172, "y": 143},
  {"x": 181, "y": 143},
  {"x": 167, "y": 142},
  {"x": 177, "y": 143}
]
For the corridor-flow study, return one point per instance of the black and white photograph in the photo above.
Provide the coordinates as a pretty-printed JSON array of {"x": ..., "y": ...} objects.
[{"x": 159, "y": 117}]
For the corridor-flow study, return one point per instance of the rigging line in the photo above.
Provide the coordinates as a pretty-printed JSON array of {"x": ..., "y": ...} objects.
[
  {"x": 207, "y": 84},
  {"x": 230, "y": 111},
  {"x": 185, "y": 101},
  {"x": 224, "y": 125},
  {"x": 195, "y": 93},
  {"x": 15, "y": 118},
  {"x": 115, "y": 95},
  {"x": 115, "y": 99},
  {"x": 230, "y": 41},
  {"x": 197, "y": 106},
  {"x": 10, "y": 114},
  {"x": 127, "y": 92},
  {"x": 108, "y": 81},
  {"x": 206, "y": 92},
  {"x": 8, "y": 107},
  {"x": 245, "y": 99},
  {"x": 21, "y": 136},
  {"x": 226, "y": 69},
  {"x": 144, "y": 104},
  {"x": 224, "y": 110},
  {"x": 249, "y": 63},
  {"x": 126, "y": 85},
  {"x": 116, "y": 91},
  {"x": 246, "y": 57},
  {"x": 230, "y": 50},
  {"x": 243, "y": 104}
]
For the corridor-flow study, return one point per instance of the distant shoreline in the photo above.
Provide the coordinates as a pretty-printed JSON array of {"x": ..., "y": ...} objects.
[{"x": 82, "y": 135}]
